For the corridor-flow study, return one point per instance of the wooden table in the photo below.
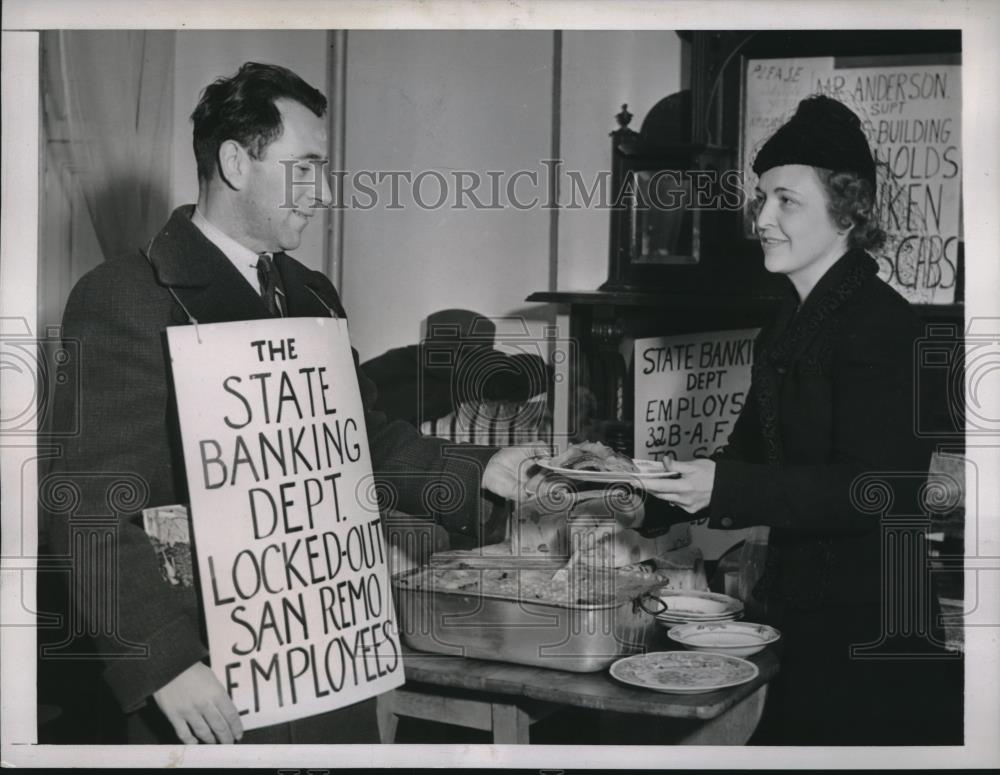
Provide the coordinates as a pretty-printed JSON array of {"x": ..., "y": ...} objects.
[{"x": 505, "y": 699}]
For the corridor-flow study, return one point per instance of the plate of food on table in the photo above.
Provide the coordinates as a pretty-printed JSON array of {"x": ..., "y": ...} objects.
[{"x": 684, "y": 672}]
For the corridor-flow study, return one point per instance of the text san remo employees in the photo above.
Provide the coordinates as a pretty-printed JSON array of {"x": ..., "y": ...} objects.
[{"x": 356, "y": 646}]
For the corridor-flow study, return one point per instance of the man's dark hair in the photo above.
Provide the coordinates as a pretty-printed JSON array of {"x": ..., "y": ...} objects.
[{"x": 241, "y": 108}]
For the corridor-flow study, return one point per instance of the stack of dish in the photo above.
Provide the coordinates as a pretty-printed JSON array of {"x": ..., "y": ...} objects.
[{"x": 685, "y": 606}]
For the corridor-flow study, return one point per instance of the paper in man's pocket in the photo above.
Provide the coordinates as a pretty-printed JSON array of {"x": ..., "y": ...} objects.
[{"x": 169, "y": 530}]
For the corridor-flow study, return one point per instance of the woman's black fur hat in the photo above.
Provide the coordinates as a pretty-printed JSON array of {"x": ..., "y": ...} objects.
[{"x": 822, "y": 133}]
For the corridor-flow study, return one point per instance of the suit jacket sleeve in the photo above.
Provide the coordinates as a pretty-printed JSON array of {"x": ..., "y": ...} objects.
[
  {"x": 114, "y": 468},
  {"x": 420, "y": 475},
  {"x": 871, "y": 416},
  {"x": 427, "y": 476}
]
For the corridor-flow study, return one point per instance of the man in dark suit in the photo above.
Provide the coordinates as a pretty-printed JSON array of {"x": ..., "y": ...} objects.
[{"x": 218, "y": 261}]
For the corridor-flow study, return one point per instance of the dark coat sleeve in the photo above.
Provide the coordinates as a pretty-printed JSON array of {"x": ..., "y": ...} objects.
[
  {"x": 869, "y": 397},
  {"x": 396, "y": 374},
  {"x": 429, "y": 476},
  {"x": 115, "y": 466},
  {"x": 420, "y": 475}
]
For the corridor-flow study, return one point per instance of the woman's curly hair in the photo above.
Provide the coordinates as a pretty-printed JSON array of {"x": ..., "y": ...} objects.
[{"x": 851, "y": 202}]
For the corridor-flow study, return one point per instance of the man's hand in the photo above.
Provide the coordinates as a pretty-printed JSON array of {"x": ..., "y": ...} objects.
[
  {"x": 692, "y": 490},
  {"x": 507, "y": 472},
  {"x": 199, "y": 708}
]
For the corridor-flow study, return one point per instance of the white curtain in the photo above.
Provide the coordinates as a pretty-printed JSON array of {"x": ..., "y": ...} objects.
[{"x": 107, "y": 103}]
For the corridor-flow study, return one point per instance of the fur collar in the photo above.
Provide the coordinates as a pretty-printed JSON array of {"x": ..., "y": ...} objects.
[{"x": 787, "y": 338}]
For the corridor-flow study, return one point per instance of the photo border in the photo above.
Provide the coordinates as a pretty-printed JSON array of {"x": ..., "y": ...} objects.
[{"x": 18, "y": 269}]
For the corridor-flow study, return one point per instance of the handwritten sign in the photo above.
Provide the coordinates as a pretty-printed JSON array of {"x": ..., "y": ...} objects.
[
  {"x": 689, "y": 391},
  {"x": 911, "y": 114},
  {"x": 292, "y": 566}
]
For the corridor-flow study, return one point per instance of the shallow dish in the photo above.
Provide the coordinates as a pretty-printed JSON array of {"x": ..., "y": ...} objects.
[
  {"x": 672, "y": 621},
  {"x": 692, "y": 605},
  {"x": 739, "y": 639},
  {"x": 684, "y": 672},
  {"x": 648, "y": 470}
]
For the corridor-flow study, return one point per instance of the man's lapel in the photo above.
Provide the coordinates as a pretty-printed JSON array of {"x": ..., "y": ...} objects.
[
  {"x": 308, "y": 293},
  {"x": 212, "y": 290},
  {"x": 205, "y": 282}
]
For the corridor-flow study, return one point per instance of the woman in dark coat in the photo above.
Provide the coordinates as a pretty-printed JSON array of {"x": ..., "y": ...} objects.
[{"x": 829, "y": 416}]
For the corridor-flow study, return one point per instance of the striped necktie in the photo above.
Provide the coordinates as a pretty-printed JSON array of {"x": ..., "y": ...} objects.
[{"x": 270, "y": 285}]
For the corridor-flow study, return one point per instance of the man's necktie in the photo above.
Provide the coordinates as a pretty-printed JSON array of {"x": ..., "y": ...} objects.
[{"x": 270, "y": 285}]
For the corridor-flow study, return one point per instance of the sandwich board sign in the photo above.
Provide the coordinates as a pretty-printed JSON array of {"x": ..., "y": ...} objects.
[{"x": 291, "y": 558}]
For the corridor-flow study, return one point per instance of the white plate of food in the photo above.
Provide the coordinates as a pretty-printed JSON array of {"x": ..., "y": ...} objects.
[
  {"x": 739, "y": 639},
  {"x": 595, "y": 462},
  {"x": 684, "y": 672}
]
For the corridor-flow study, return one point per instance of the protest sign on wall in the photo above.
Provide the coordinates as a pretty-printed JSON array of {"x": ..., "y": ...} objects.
[
  {"x": 911, "y": 112},
  {"x": 689, "y": 390},
  {"x": 291, "y": 558}
]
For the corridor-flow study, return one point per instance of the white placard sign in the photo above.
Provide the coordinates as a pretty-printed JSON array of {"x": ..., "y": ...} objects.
[
  {"x": 912, "y": 115},
  {"x": 689, "y": 390},
  {"x": 292, "y": 563}
]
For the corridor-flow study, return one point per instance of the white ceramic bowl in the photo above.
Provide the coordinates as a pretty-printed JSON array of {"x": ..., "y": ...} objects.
[{"x": 738, "y": 639}]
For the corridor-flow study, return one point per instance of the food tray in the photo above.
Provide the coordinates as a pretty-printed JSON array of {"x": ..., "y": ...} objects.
[{"x": 565, "y": 635}]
